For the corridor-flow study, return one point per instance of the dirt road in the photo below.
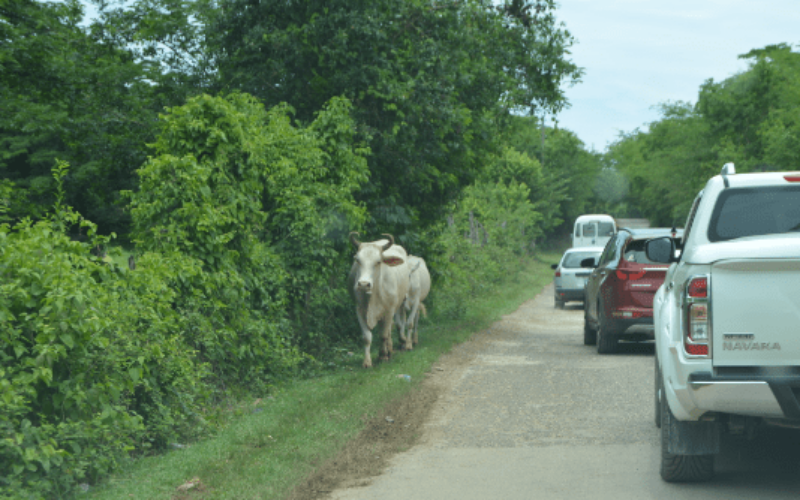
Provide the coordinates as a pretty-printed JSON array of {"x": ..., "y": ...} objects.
[{"x": 525, "y": 410}]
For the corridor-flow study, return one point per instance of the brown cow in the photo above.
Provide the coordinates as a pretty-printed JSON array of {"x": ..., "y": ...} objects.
[{"x": 378, "y": 282}]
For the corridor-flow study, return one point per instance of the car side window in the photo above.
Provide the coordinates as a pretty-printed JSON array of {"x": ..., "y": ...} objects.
[
  {"x": 608, "y": 252},
  {"x": 690, "y": 219}
]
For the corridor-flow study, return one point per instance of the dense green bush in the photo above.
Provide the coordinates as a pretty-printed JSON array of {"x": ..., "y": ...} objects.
[
  {"x": 94, "y": 363},
  {"x": 492, "y": 229},
  {"x": 264, "y": 206}
]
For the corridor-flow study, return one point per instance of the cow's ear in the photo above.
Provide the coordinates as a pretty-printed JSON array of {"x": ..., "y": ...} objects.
[{"x": 392, "y": 261}]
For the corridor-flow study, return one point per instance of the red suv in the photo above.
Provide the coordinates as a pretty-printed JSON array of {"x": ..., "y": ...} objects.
[{"x": 619, "y": 292}]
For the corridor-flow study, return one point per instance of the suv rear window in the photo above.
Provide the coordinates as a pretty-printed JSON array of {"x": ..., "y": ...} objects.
[
  {"x": 634, "y": 252},
  {"x": 744, "y": 212}
]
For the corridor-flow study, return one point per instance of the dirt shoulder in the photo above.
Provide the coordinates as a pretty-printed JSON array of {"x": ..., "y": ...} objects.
[{"x": 398, "y": 427}]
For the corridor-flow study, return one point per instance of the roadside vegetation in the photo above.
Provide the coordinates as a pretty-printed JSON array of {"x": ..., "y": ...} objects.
[
  {"x": 751, "y": 119},
  {"x": 178, "y": 180},
  {"x": 272, "y": 443}
]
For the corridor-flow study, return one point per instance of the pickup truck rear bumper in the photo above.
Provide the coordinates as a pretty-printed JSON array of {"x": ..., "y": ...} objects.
[{"x": 750, "y": 395}]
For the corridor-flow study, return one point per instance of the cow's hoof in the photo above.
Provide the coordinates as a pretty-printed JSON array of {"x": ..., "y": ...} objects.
[
  {"x": 367, "y": 364},
  {"x": 409, "y": 347}
]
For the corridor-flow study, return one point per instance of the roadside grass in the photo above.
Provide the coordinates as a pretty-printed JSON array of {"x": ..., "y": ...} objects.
[{"x": 275, "y": 442}]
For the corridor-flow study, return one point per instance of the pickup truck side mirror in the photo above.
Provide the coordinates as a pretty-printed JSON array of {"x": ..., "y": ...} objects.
[
  {"x": 553, "y": 266},
  {"x": 661, "y": 250},
  {"x": 590, "y": 262}
]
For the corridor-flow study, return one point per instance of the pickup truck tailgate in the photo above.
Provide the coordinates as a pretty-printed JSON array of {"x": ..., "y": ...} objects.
[{"x": 755, "y": 312}]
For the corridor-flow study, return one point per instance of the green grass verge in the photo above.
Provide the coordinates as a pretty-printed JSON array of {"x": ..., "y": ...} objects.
[{"x": 274, "y": 444}]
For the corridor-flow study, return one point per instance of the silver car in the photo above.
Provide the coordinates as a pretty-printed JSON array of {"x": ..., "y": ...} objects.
[{"x": 570, "y": 277}]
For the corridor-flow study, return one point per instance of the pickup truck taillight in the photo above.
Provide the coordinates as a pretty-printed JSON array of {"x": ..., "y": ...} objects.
[
  {"x": 698, "y": 288},
  {"x": 558, "y": 274},
  {"x": 697, "y": 336}
]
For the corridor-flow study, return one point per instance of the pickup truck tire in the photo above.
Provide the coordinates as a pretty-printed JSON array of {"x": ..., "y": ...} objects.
[
  {"x": 607, "y": 341},
  {"x": 681, "y": 468}
]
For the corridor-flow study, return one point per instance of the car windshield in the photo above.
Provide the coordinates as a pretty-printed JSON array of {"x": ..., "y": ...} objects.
[
  {"x": 747, "y": 212},
  {"x": 573, "y": 259}
]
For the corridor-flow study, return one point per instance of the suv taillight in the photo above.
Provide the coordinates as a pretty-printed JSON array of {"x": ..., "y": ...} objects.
[
  {"x": 697, "y": 336},
  {"x": 558, "y": 274}
]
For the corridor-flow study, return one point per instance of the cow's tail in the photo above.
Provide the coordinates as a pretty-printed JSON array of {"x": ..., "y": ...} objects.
[{"x": 422, "y": 308}]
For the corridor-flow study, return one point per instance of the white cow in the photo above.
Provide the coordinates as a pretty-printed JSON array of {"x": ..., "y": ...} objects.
[
  {"x": 418, "y": 288},
  {"x": 378, "y": 282}
]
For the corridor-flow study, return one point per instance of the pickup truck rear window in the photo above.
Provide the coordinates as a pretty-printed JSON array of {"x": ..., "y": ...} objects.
[{"x": 744, "y": 212}]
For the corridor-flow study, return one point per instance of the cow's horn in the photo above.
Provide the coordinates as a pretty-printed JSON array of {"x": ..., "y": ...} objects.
[
  {"x": 354, "y": 240},
  {"x": 391, "y": 241}
]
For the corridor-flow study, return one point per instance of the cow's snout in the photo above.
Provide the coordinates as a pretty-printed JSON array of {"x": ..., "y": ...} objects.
[{"x": 365, "y": 286}]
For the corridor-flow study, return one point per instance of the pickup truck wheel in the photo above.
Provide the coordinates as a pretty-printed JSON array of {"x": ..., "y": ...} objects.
[
  {"x": 607, "y": 341},
  {"x": 657, "y": 394},
  {"x": 589, "y": 333},
  {"x": 681, "y": 468}
]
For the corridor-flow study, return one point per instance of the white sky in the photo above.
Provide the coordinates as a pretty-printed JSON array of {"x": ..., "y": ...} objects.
[{"x": 639, "y": 53}]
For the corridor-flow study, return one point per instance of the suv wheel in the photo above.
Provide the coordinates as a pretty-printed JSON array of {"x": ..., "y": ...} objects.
[
  {"x": 607, "y": 341},
  {"x": 589, "y": 333},
  {"x": 681, "y": 468}
]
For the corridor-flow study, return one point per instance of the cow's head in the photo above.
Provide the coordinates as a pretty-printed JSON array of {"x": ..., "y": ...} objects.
[{"x": 369, "y": 259}]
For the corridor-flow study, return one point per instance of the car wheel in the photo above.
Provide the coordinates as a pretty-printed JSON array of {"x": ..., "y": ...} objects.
[
  {"x": 657, "y": 393},
  {"x": 680, "y": 468},
  {"x": 589, "y": 333},
  {"x": 607, "y": 340}
]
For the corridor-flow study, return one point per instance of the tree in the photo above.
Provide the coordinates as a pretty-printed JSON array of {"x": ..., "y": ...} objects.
[
  {"x": 749, "y": 119},
  {"x": 429, "y": 81}
]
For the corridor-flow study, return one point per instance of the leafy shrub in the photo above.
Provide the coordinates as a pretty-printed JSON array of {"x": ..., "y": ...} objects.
[
  {"x": 94, "y": 362},
  {"x": 487, "y": 236},
  {"x": 264, "y": 206}
]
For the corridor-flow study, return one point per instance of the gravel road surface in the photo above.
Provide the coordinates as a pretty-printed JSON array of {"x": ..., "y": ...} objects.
[{"x": 527, "y": 411}]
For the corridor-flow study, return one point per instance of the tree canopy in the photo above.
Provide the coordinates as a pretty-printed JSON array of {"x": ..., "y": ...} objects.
[{"x": 751, "y": 119}]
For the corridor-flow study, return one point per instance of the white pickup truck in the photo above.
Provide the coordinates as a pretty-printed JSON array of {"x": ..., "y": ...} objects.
[{"x": 727, "y": 319}]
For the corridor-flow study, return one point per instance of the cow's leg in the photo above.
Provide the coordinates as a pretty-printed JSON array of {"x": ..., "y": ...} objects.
[
  {"x": 366, "y": 333},
  {"x": 403, "y": 322},
  {"x": 412, "y": 328},
  {"x": 420, "y": 309},
  {"x": 400, "y": 319},
  {"x": 386, "y": 333}
]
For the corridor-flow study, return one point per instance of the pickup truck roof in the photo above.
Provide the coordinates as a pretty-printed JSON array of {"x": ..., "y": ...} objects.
[{"x": 754, "y": 179}]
